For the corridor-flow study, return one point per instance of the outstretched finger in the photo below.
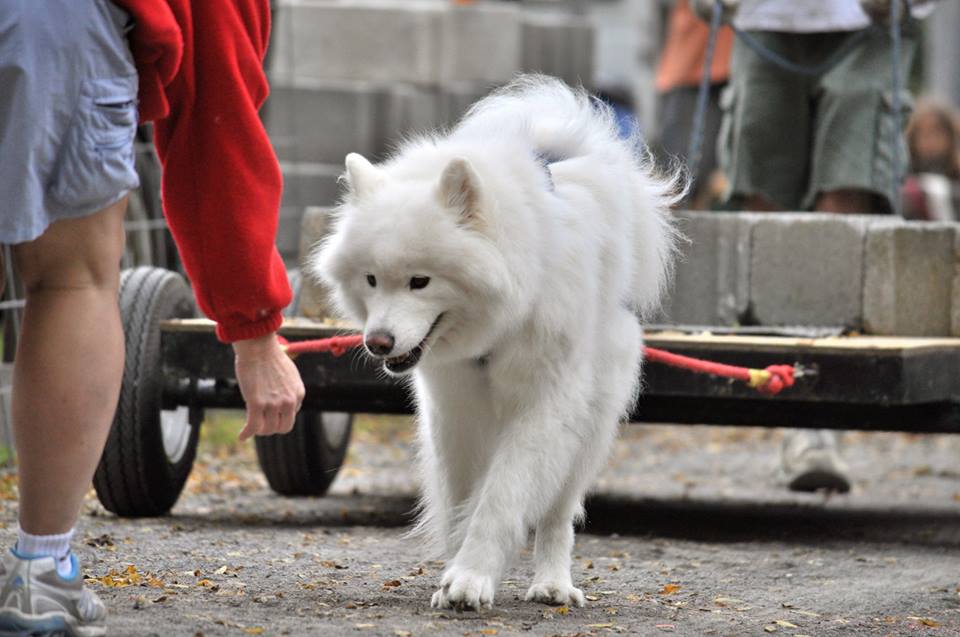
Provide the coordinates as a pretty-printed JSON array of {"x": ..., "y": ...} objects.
[{"x": 253, "y": 424}]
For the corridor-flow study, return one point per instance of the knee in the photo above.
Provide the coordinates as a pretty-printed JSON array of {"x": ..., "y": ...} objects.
[
  {"x": 75, "y": 254},
  {"x": 89, "y": 272}
]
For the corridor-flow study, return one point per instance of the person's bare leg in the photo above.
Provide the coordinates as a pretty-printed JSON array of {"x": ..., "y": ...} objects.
[
  {"x": 759, "y": 203},
  {"x": 69, "y": 364},
  {"x": 846, "y": 202}
]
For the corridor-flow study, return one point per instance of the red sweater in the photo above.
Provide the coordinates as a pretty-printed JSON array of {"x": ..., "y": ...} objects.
[{"x": 202, "y": 83}]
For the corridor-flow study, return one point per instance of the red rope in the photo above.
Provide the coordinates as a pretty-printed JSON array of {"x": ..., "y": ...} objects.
[{"x": 771, "y": 380}]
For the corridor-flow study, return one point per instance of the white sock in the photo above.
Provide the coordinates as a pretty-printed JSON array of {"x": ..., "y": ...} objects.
[{"x": 55, "y": 546}]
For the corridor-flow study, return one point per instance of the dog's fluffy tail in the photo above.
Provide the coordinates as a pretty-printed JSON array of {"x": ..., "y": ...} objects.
[{"x": 559, "y": 123}]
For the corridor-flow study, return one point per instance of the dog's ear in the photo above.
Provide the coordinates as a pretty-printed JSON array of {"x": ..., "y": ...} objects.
[
  {"x": 460, "y": 189},
  {"x": 362, "y": 176}
]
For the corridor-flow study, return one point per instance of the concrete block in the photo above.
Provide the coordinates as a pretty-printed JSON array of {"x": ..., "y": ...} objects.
[
  {"x": 559, "y": 44},
  {"x": 313, "y": 297},
  {"x": 480, "y": 43},
  {"x": 351, "y": 40},
  {"x": 419, "y": 41},
  {"x": 807, "y": 269},
  {"x": 955, "y": 290},
  {"x": 288, "y": 234},
  {"x": 712, "y": 281},
  {"x": 908, "y": 279},
  {"x": 408, "y": 110},
  {"x": 310, "y": 184},
  {"x": 323, "y": 121},
  {"x": 456, "y": 98}
]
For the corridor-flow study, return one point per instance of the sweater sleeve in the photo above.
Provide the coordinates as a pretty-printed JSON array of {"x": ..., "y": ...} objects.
[{"x": 221, "y": 180}]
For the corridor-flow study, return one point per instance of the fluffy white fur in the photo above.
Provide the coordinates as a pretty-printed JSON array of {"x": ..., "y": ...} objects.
[{"x": 525, "y": 341}]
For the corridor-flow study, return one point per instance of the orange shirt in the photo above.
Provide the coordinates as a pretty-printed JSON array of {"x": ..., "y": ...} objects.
[{"x": 681, "y": 63}]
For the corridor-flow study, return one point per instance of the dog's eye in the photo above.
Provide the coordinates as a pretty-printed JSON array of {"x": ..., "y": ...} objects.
[
  {"x": 419, "y": 282},
  {"x": 372, "y": 280}
]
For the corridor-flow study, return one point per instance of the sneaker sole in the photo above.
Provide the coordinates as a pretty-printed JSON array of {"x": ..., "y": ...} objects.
[
  {"x": 819, "y": 480},
  {"x": 13, "y": 623}
]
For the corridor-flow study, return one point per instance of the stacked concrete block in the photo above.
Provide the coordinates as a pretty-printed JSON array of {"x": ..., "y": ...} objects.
[
  {"x": 373, "y": 41},
  {"x": 304, "y": 184},
  {"x": 360, "y": 75},
  {"x": 878, "y": 275},
  {"x": 455, "y": 98},
  {"x": 808, "y": 269},
  {"x": 909, "y": 279},
  {"x": 559, "y": 44},
  {"x": 420, "y": 41},
  {"x": 323, "y": 121},
  {"x": 712, "y": 281},
  {"x": 479, "y": 43},
  {"x": 407, "y": 110},
  {"x": 313, "y": 297}
]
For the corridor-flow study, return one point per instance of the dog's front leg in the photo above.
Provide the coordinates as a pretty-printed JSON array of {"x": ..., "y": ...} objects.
[{"x": 527, "y": 472}]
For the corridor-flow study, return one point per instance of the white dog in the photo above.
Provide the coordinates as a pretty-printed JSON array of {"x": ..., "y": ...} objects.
[{"x": 505, "y": 265}]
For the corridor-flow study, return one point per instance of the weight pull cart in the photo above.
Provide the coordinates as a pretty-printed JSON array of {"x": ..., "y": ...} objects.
[{"x": 176, "y": 368}]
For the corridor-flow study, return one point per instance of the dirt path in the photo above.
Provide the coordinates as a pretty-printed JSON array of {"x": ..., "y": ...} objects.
[{"x": 688, "y": 535}]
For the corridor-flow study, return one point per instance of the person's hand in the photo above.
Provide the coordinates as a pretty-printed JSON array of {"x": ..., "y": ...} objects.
[
  {"x": 270, "y": 384},
  {"x": 704, "y": 9}
]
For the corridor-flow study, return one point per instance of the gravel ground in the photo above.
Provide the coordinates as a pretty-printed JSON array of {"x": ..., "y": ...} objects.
[{"x": 688, "y": 533}]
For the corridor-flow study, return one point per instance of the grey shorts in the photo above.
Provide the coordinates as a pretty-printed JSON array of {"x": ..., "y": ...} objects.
[
  {"x": 790, "y": 137},
  {"x": 68, "y": 112}
]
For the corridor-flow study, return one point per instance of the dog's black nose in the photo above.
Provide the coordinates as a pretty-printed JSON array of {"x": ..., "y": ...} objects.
[{"x": 379, "y": 343}]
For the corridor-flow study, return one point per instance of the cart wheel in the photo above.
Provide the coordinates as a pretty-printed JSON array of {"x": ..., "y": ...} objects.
[
  {"x": 306, "y": 460},
  {"x": 150, "y": 451}
]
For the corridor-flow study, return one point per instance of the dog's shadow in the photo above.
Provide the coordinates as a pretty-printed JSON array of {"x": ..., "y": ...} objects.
[{"x": 677, "y": 518}]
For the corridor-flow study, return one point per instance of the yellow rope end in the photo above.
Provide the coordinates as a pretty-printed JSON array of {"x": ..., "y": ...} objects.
[{"x": 759, "y": 378}]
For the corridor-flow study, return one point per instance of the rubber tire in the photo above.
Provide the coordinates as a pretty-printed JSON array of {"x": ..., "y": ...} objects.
[
  {"x": 303, "y": 462},
  {"x": 135, "y": 477}
]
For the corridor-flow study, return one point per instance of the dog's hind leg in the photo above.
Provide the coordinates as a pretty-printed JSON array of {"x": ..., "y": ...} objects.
[{"x": 552, "y": 583}]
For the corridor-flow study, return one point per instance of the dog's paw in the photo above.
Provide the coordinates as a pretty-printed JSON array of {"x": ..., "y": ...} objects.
[
  {"x": 461, "y": 589},
  {"x": 555, "y": 594}
]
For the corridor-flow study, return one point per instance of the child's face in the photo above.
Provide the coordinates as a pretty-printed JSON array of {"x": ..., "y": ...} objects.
[{"x": 931, "y": 142}]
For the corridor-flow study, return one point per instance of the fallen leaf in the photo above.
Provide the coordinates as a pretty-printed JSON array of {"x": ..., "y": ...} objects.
[
  {"x": 392, "y": 583},
  {"x": 727, "y": 601},
  {"x": 670, "y": 589},
  {"x": 564, "y": 610},
  {"x": 253, "y": 630},
  {"x": 770, "y": 629},
  {"x": 607, "y": 625},
  {"x": 666, "y": 626},
  {"x": 782, "y": 623},
  {"x": 926, "y": 621},
  {"x": 488, "y": 631},
  {"x": 592, "y": 598}
]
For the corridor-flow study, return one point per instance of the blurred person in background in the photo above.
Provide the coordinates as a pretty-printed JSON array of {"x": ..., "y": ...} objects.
[
  {"x": 678, "y": 80},
  {"x": 818, "y": 141},
  {"x": 931, "y": 191}
]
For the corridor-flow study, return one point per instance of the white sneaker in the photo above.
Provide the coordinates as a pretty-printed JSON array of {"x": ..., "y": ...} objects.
[
  {"x": 36, "y": 601},
  {"x": 810, "y": 461}
]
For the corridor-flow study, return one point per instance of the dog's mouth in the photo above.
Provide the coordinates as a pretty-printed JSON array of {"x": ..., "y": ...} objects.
[{"x": 406, "y": 362}]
